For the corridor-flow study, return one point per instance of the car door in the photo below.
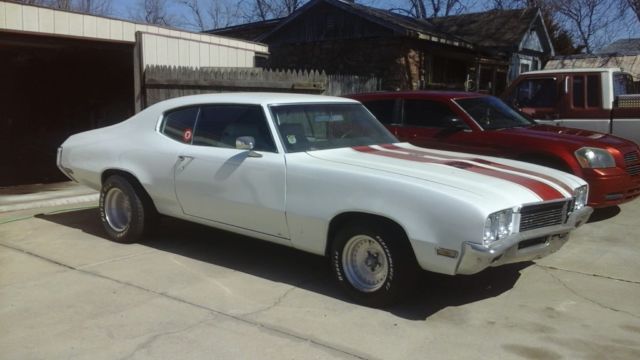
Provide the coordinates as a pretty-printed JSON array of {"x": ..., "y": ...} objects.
[
  {"x": 217, "y": 182},
  {"x": 431, "y": 123}
]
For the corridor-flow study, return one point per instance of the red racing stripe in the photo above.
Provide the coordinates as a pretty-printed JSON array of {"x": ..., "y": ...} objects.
[
  {"x": 553, "y": 180},
  {"x": 544, "y": 191}
]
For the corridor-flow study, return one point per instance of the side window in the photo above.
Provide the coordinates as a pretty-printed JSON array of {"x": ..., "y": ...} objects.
[
  {"x": 578, "y": 91},
  {"x": 427, "y": 113},
  {"x": 382, "y": 110},
  {"x": 537, "y": 93},
  {"x": 586, "y": 91},
  {"x": 622, "y": 84},
  {"x": 221, "y": 125},
  {"x": 179, "y": 124},
  {"x": 593, "y": 91}
]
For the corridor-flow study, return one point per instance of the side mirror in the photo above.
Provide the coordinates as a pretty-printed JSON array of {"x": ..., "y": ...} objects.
[
  {"x": 245, "y": 143},
  {"x": 456, "y": 123}
]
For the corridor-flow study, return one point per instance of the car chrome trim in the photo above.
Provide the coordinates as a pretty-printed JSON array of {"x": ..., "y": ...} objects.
[{"x": 476, "y": 257}]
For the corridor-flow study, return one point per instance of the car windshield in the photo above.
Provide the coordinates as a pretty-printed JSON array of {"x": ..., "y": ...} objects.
[
  {"x": 305, "y": 127},
  {"x": 492, "y": 114}
]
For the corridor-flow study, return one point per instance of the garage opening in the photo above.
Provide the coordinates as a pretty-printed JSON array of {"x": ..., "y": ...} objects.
[{"x": 51, "y": 88}]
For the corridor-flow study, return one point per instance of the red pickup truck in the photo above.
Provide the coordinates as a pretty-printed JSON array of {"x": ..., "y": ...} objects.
[
  {"x": 483, "y": 124},
  {"x": 600, "y": 99}
]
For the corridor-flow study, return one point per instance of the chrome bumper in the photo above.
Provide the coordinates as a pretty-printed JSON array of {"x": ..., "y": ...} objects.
[{"x": 526, "y": 246}]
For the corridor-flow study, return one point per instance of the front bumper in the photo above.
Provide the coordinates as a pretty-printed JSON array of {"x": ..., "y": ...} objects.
[
  {"x": 526, "y": 246},
  {"x": 609, "y": 187}
]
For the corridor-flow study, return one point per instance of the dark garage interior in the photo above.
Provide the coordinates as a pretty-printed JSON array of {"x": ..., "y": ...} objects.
[{"x": 51, "y": 88}]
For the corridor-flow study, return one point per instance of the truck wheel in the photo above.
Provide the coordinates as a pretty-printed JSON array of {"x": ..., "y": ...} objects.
[
  {"x": 122, "y": 212},
  {"x": 374, "y": 263}
]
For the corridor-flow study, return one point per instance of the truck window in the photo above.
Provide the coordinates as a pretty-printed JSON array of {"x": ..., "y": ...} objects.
[
  {"x": 578, "y": 91},
  {"x": 586, "y": 91},
  {"x": 427, "y": 113},
  {"x": 537, "y": 93},
  {"x": 382, "y": 109},
  {"x": 593, "y": 91},
  {"x": 622, "y": 84}
]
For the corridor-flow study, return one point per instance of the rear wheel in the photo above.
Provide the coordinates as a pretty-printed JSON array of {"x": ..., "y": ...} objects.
[
  {"x": 122, "y": 211},
  {"x": 373, "y": 263}
]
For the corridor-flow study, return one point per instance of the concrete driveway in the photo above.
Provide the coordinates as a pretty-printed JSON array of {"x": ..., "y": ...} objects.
[{"x": 190, "y": 292}]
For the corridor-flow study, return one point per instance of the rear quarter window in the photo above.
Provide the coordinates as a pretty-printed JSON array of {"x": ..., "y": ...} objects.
[{"x": 178, "y": 124}]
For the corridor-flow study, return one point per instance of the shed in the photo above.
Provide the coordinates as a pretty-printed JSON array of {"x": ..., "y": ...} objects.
[{"x": 63, "y": 72}]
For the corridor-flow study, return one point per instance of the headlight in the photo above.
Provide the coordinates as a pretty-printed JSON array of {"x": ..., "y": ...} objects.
[
  {"x": 594, "y": 158},
  {"x": 497, "y": 226},
  {"x": 580, "y": 197}
]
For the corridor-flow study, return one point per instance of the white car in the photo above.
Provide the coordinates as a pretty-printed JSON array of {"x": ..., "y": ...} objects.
[{"x": 322, "y": 175}]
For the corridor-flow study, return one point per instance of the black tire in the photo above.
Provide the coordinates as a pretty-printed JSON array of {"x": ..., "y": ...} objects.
[
  {"x": 390, "y": 247},
  {"x": 124, "y": 223}
]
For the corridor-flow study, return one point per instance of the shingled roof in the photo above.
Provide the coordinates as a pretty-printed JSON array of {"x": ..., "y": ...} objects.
[
  {"x": 622, "y": 47},
  {"x": 496, "y": 29},
  {"x": 500, "y": 29},
  {"x": 400, "y": 24}
]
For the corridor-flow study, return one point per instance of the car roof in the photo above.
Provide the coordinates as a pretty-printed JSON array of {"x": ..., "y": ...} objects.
[
  {"x": 254, "y": 98},
  {"x": 426, "y": 94}
]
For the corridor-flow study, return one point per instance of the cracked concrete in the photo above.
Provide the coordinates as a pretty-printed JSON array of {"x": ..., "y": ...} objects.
[
  {"x": 584, "y": 297},
  {"x": 196, "y": 293}
]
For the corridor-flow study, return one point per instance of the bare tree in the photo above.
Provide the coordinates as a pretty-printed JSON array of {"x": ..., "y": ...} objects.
[
  {"x": 205, "y": 15},
  {"x": 95, "y": 7},
  {"x": 153, "y": 12},
  {"x": 424, "y": 9},
  {"x": 588, "y": 20},
  {"x": 634, "y": 5}
]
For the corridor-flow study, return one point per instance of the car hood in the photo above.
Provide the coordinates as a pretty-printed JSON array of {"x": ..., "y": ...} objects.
[
  {"x": 487, "y": 177},
  {"x": 578, "y": 137}
]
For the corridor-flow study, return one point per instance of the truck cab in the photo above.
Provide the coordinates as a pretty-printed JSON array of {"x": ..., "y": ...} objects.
[{"x": 599, "y": 99}]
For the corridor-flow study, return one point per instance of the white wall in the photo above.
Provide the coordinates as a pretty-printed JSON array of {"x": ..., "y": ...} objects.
[
  {"x": 173, "y": 47},
  {"x": 166, "y": 50}
]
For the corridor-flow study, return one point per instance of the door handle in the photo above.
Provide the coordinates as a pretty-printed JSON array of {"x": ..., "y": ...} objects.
[{"x": 183, "y": 162}]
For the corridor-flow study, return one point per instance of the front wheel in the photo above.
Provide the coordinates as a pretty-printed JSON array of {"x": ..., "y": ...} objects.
[
  {"x": 373, "y": 263},
  {"x": 122, "y": 211}
]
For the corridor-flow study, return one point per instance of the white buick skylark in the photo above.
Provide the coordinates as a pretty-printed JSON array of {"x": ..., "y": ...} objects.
[{"x": 322, "y": 175}]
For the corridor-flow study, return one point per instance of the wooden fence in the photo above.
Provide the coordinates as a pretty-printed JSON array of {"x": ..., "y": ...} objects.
[{"x": 165, "y": 82}]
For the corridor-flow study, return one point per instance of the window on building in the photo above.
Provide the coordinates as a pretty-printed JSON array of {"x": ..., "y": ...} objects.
[
  {"x": 427, "y": 113},
  {"x": 537, "y": 93},
  {"x": 525, "y": 65},
  {"x": 220, "y": 126},
  {"x": 383, "y": 110},
  {"x": 179, "y": 124}
]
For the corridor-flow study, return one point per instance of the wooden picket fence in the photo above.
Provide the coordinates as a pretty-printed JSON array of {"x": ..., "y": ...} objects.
[{"x": 165, "y": 82}]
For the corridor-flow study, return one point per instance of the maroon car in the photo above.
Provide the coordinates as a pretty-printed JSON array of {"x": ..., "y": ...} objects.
[{"x": 476, "y": 123}]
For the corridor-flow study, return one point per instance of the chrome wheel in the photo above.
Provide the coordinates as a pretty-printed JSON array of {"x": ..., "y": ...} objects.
[
  {"x": 117, "y": 209},
  {"x": 365, "y": 263}
]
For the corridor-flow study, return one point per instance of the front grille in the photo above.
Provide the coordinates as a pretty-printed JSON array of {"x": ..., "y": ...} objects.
[
  {"x": 632, "y": 163},
  {"x": 633, "y": 170},
  {"x": 541, "y": 215},
  {"x": 631, "y": 157}
]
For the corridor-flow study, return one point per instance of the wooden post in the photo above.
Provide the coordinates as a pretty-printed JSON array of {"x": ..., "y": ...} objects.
[{"x": 138, "y": 84}]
